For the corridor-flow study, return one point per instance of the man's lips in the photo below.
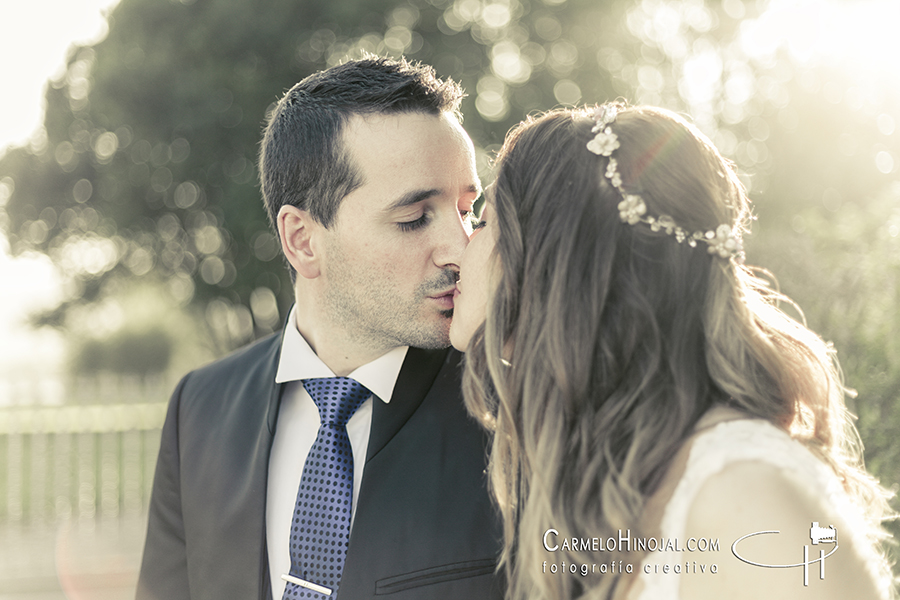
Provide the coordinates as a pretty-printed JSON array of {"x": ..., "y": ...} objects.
[{"x": 445, "y": 299}]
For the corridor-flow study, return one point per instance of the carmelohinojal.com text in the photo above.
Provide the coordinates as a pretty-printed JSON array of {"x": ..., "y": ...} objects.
[{"x": 626, "y": 543}]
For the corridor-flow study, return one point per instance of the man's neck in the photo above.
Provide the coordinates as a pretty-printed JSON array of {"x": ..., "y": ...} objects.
[{"x": 334, "y": 346}]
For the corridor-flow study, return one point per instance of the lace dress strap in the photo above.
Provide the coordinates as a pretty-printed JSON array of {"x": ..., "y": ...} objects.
[{"x": 711, "y": 451}]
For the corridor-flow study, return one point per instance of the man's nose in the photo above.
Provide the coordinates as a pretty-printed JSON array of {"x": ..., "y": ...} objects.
[{"x": 454, "y": 238}]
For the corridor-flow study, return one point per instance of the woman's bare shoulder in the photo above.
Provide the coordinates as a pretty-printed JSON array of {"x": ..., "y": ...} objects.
[{"x": 754, "y": 496}]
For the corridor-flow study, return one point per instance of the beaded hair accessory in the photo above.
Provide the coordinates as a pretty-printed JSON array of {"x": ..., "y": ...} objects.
[{"x": 633, "y": 210}]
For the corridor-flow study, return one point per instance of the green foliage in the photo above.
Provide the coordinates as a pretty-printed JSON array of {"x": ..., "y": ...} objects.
[
  {"x": 140, "y": 353},
  {"x": 843, "y": 268}
]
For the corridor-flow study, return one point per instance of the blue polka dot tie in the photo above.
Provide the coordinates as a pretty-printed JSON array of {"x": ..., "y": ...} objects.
[{"x": 320, "y": 531}]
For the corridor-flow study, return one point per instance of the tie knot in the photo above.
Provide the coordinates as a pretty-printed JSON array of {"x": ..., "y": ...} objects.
[{"x": 336, "y": 397}]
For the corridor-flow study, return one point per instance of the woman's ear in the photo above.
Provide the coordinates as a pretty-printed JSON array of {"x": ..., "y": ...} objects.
[{"x": 299, "y": 231}]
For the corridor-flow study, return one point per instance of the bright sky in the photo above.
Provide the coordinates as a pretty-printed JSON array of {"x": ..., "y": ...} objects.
[{"x": 34, "y": 38}]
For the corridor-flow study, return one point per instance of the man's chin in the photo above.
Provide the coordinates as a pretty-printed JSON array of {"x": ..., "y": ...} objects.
[{"x": 435, "y": 337}]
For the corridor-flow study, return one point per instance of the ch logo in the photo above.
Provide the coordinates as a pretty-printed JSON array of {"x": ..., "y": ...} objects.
[{"x": 818, "y": 535}]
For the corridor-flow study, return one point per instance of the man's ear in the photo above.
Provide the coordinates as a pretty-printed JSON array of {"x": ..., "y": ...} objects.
[{"x": 299, "y": 233}]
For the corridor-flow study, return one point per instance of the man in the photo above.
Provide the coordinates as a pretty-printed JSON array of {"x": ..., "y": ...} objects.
[{"x": 369, "y": 180}]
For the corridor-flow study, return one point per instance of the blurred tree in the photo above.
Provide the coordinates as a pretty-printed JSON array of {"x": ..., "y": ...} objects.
[
  {"x": 146, "y": 164},
  {"x": 146, "y": 167},
  {"x": 135, "y": 352}
]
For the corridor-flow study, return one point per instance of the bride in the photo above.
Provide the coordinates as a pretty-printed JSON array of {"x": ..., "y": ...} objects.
[{"x": 661, "y": 428}]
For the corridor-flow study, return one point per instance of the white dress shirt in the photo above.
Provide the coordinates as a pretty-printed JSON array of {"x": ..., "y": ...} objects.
[{"x": 298, "y": 425}]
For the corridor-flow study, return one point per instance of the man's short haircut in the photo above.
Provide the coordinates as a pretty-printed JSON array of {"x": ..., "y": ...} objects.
[{"x": 302, "y": 160}]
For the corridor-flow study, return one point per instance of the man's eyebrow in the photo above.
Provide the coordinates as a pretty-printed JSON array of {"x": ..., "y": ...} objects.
[
  {"x": 410, "y": 198},
  {"x": 415, "y": 196}
]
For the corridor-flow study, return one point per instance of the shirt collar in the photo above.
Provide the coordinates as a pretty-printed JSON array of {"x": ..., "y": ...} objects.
[{"x": 299, "y": 361}]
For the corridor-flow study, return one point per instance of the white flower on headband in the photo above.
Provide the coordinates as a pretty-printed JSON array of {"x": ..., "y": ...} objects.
[
  {"x": 631, "y": 209},
  {"x": 666, "y": 222},
  {"x": 612, "y": 173},
  {"x": 604, "y": 143},
  {"x": 603, "y": 116},
  {"x": 722, "y": 242}
]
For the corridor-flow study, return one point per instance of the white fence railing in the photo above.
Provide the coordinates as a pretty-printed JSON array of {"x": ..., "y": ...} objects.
[{"x": 77, "y": 461}]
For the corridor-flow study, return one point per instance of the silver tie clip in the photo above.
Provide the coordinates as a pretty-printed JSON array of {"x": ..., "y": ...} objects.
[{"x": 307, "y": 584}]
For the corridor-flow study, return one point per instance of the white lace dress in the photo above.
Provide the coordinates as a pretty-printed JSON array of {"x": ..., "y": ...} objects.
[{"x": 719, "y": 446}]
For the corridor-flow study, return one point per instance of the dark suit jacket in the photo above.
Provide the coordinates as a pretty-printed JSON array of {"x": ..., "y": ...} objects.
[{"x": 424, "y": 524}]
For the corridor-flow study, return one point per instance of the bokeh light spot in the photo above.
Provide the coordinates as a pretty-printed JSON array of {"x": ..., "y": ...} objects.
[
  {"x": 212, "y": 270},
  {"x": 650, "y": 78},
  {"x": 831, "y": 199},
  {"x": 265, "y": 307},
  {"x": 491, "y": 101},
  {"x": 140, "y": 261},
  {"x": 734, "y": 8},
  {"x": 567, "y": 92},
  {"x": 82, "y": 191},
  {"x": 186, "y": 194},
  {"x": 884, "y": 162},
  {"x": 65, "y": 156},
  {"x": 181, "y": 287},
  {"x": 508, "y": 64},
  {"x": 885, "y": 124},
  {"x": 161, "y": 179},
  {"x": 496, "y": 15},
  {"x": 398, "y": 38},
  {"x": 180, "y": 150},
  {"x": 7, "y": 187},
  {"x": 265, "y": 246},
  {"x": 209, "y": 240},
  {"x": 701, "y": 75},
  {"x": 758, "y": 128},
  {"x": 89, "y": 254},
  {"x": 105, "y": 147},
  {"x": 548, "y": 27}
]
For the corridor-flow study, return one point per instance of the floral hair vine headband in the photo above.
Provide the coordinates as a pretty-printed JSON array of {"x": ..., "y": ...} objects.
[{"x": 632, "y": 209}]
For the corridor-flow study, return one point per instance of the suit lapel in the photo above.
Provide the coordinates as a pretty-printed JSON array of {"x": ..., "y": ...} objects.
[
  {"x": 266, "y": 437},
  {"x": 419, "y": 370}
]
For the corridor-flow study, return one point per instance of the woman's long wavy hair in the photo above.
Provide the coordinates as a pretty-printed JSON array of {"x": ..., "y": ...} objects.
[{"x": 605, "y": 343}]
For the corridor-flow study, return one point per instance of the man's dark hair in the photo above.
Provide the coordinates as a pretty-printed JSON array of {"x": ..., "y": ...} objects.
[{"x": 302, "y": 160}]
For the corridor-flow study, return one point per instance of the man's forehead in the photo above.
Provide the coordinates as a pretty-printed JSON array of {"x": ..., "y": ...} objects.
[
  {"x": 368, "y": 128},
  {"x": 426, "y": 151}
]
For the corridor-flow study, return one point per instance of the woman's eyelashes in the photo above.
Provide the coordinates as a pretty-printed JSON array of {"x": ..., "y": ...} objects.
[{"x": 478, "y": 225}]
